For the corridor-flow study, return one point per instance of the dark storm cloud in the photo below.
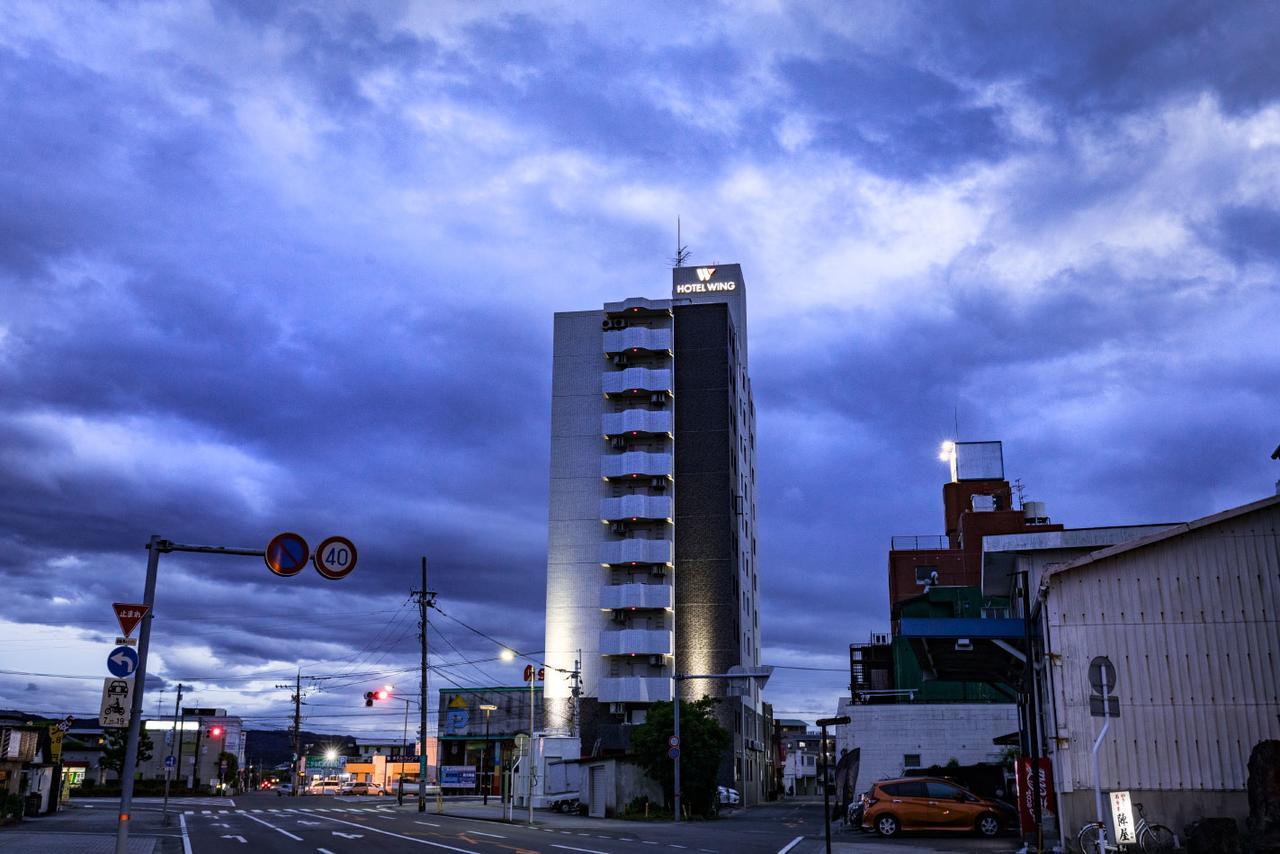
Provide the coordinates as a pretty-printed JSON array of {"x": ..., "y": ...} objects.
[{"x": 281, "y": 267}]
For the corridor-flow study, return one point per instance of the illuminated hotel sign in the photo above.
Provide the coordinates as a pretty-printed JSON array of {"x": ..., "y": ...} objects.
[{"x": 704, "y": 285}]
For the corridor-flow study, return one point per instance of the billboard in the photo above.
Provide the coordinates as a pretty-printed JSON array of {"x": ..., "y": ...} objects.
[{"x": 457, "y": 776}]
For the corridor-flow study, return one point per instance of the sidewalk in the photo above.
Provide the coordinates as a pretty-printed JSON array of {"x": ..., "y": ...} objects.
[{"x": 17, "y": 839}]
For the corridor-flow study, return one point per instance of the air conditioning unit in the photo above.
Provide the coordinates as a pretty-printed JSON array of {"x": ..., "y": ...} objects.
[
  {"x": 620, "y": 360},
  {"x": 619, "y": 527},
  {"x": 655, "y": 660},
  {"x": 658, "y": 571},
  {"x": 616, "y": 708},
  {"x": 619, "y": 323},
  {"x": 659, "y": 398},
  {"x": 619, "y": 442},
  {"x": 619, "y": 616},
  {"x": 658, "y": 483},
  {"x": 606, "y": 324}
]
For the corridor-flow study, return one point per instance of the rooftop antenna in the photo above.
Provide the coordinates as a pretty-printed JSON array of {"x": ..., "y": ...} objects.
[
  {"x": 1017, "y": 485},
  {"x": 956, "y": 412},
  {"x": 682, "y": 251}
]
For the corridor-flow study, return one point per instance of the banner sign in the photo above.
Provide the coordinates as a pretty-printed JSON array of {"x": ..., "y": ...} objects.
[
  {"x": 1026, "y": 795},
  {"x": 457, "y": 776}
]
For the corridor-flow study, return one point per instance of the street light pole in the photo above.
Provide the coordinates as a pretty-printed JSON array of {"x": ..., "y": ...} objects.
[
  {"x": 826, "y": 793},
  {"x": 486, "y": 776}
]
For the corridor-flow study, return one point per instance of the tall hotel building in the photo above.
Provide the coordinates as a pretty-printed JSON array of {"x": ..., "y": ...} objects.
[{"x": 651, "y": 553}]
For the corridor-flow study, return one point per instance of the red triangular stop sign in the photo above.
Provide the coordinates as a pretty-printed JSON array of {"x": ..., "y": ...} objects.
[{"x": 129, "y": 615}]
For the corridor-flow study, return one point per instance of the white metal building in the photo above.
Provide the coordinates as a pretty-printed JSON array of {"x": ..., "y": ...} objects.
[{"x": 1190, "y": 616}]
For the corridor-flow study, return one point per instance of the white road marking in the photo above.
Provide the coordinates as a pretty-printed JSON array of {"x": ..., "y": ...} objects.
[
  {"x": 323, "y": 851},
  {"x": 186, "y": 842},
  {"x": 482, "y": 833},
  {"x": 401, "y": 836},
  {"x": 230, "y": 836},
  {"x": 587, "y": 850},
  {"x": 792, "y": 844},
  {"x": 273, "y": 827}
]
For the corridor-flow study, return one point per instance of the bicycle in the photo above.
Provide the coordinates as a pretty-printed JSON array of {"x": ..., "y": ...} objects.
[{"x": 1152, "y": 838}]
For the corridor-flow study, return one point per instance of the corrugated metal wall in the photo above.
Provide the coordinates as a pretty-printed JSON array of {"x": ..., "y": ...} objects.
[{"x": 1191, "y": 624}]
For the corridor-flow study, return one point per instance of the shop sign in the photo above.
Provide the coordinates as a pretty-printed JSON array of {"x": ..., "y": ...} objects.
[{"x": 1026, "y": 794}]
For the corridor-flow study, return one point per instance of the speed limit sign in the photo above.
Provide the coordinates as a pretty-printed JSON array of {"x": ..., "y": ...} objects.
[{"x": 335, "y": 558}]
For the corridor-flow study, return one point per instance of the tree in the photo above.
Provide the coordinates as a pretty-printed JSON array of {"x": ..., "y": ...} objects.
[
  {"x": 117, "y": 740},
  {"x": 702, "y": 745}
]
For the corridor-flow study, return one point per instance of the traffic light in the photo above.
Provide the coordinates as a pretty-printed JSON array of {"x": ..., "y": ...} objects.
[
  {"x": 215, "y": 732},
  {"x": 368, "y": 698},
  {"x": 383, "y": 693}
]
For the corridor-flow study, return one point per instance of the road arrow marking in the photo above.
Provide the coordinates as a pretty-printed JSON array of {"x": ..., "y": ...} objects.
[
  {"x": 310, "y": 823},
  {"x": 228, "y": 836},
  {"x": 218, "y": 824},
  {"x": 348, "y": 835},
  {"x": 273, "y": 827}
]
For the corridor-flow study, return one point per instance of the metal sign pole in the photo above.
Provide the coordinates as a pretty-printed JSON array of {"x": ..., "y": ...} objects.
[
  {"x": 1097, "y": 774},
  {"x": 675, "y": 728},
  {"x": 135, "y": 711}
]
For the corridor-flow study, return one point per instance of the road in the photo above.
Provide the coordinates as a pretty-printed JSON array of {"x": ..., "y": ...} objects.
[{"x": 265, "y": 824}]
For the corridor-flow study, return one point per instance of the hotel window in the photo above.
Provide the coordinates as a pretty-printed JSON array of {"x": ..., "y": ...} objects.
[{"x": 911, "y": 760}]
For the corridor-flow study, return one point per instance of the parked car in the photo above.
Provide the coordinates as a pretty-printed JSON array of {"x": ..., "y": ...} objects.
[
  {"x": 931, "y": 803},
  {"x": 324, "y": 787},
  {"x": 357, "y": 788},
  {"x": 284, "y": 789},
  {"x": 727, "y": 797}
]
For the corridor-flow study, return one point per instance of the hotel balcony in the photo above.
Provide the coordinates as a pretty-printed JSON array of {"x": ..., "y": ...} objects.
[
  {"x": 635, "y": 464},
  {"x": 635, "y": 689},
  {"x": 637, "y": 381},
  {"x": 633, "y": 551},
  {"x": 645, "y": 422},
  {"x": 635, "y": 642},
  {"x": 637, "y": 339},
  {"x": 626, "y": 596},
  {"x": 635, "y": 508}
]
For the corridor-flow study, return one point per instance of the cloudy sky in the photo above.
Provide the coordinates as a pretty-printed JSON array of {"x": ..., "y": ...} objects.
[{"x": 273, "y": 267}]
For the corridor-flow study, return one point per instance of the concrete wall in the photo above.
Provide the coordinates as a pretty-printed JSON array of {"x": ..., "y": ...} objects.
[
  {"x": 623, "y": 782},
  {"x": 939, "y": 732}
]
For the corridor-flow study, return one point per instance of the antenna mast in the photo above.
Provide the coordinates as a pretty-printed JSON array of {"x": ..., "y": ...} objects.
[{"x": 682, "y": 251}]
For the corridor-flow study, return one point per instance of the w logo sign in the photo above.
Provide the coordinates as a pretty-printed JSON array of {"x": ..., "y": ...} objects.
[{"x": 705, "y": 273}]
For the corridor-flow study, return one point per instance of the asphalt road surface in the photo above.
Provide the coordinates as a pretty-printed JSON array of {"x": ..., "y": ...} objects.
[{"x": 265, "y": 824}]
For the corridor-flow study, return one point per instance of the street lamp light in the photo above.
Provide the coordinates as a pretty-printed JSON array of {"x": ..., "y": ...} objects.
[{"x": 486, "y": 778}]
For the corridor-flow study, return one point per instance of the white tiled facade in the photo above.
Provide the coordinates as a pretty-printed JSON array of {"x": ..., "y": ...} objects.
[{"x": 628, "y": 598}]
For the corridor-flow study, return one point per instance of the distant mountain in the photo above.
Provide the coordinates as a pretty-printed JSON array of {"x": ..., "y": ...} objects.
[{"x": 270, "y": 748}]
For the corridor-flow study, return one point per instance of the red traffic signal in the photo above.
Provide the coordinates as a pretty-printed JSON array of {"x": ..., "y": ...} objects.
[
  {"x": 381, "y": 694},
  {"x": 215, "y": 732}
]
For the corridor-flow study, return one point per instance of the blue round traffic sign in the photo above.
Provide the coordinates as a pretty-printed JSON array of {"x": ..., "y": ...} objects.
[
  {"x": 286, "y": 554},
  {"x": 122, "y": 662},
  {"x": 673, "y": 753},
  {"x": 170, "y": 761}
]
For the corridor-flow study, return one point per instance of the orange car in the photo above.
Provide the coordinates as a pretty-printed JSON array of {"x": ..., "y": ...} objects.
[{"x": 931, "y": 803}]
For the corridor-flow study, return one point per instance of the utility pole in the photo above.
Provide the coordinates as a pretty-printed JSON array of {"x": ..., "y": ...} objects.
[
  {"x": 169, "y": 772},
  {"x": 577, "y": 691},
  {"x": 297, "y": 731},
  {"x": 295, "y": 777},
  {"x": 426, "y": 598},
  {"x": 182, "y": 737}
]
